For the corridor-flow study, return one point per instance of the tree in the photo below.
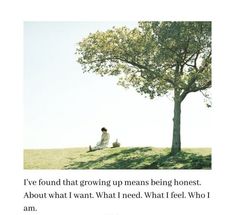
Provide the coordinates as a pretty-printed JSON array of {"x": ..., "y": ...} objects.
[{"x": 156, "y": 58}]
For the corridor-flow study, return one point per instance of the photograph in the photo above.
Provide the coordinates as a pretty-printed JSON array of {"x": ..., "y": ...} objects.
[{"x": 117, "y": 95}]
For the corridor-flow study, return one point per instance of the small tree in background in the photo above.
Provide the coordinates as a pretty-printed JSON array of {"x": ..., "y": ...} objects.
[{"x": 156, "y": 58}]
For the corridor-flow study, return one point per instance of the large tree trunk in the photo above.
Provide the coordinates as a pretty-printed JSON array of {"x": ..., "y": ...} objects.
[{"x": 176, "y": 143}]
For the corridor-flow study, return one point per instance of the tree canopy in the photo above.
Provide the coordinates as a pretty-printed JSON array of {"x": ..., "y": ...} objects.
[{"x": 149, "y": 57}]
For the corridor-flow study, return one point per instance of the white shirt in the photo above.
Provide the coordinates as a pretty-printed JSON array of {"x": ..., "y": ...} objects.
[{"x": 104, "y": 138}]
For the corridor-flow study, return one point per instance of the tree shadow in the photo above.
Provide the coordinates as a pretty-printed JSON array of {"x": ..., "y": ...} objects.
[
  {"x": 182, "y": 160},
  {"x": 130, "y": 158},
  {"x": 141, "y": 158}
]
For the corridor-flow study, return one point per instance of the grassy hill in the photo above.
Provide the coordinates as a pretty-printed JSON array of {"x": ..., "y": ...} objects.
[{"x": 117, "y": 158}]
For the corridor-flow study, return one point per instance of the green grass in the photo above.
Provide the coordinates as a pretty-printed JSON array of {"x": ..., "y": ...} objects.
[{"x": 117, "y": 158}]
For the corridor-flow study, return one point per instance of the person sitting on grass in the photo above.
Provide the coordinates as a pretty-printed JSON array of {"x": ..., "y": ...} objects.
[{"x": 103, "y": 142}]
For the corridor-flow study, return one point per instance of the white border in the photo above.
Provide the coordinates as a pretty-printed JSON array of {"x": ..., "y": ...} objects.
[{"x": 220, "y": 180}]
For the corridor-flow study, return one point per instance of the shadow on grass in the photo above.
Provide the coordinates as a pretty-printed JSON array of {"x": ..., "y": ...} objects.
[
  {"x": 130, "y": 158},
  {"x": 182, "y": 160},
  {"x": 142, "y": 158}
]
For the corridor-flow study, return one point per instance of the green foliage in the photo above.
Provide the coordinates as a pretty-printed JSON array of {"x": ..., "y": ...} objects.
[
  {"x": 117, "y": 158},
  {"x": 154, "y": 58}
]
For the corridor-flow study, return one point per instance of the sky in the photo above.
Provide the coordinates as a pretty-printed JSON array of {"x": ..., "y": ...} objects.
[{"x": 64, "y": 107}]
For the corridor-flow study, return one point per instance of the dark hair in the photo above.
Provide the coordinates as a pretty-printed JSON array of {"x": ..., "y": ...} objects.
[{"x": 103, "y": 129}]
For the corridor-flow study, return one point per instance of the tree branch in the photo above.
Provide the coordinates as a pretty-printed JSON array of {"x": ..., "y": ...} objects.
[
  {"x": 195, "y": 89},
  {"x": 135, "y": 64}
]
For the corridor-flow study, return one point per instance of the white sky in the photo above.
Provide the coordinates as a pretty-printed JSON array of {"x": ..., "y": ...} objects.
[{"x": 65, "y": 107}]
